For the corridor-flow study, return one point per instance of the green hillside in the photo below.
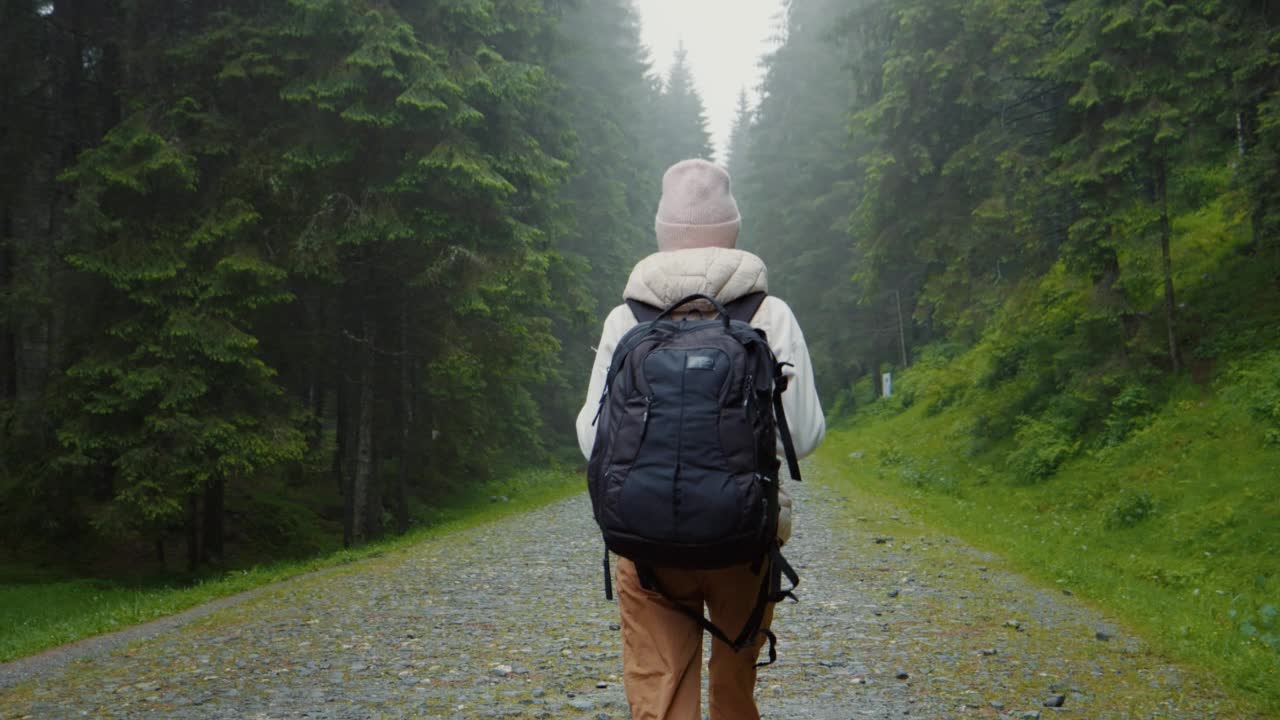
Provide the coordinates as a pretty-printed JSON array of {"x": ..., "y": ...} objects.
[{"x": 1156, "y": 496}]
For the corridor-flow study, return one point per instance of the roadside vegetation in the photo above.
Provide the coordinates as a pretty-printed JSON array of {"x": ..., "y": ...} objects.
[
  {"x": 1153, "y": 496},
  {"x": 43, "y": 607}
]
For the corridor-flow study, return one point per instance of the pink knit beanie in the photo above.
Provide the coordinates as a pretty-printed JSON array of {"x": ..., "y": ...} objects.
[{"x": 697, "y": 208}]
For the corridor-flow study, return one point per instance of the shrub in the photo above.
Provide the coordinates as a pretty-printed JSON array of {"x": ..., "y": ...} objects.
[
  {"x": 1130, "y": 411},
  {"x": 1256, "y": 385},
  {"x": 890, "y": 454},
  {"x": 1260, "y": 624},
  {"x": 1130, "y": 509},
  {"x": 1042, "y": 446}
]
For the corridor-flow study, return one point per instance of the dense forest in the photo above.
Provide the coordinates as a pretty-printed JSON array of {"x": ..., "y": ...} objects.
[
  {"x": 278, "y": 266},
  {"x": 1056, "y": 223},
  {"x": 923, "y": 173},
  {"x": 287, "y": 263}
]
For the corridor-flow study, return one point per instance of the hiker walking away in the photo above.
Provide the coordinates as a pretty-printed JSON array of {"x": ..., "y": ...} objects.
[{"x": 661, "y": 607}]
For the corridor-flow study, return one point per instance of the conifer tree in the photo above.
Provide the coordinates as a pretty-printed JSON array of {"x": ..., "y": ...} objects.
[
  {"x": 608, "y": 100},
  {"x": 738, "y": 160},
  {"x": 794, "y": 195},
  {"x": 1141, "y": 82},
  {"x": 682, "y": 117},
  {"x": 1249, "y": 39}
]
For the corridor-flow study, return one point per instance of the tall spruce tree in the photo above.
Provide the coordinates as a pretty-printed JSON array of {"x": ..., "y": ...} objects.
[
  {"x": 608, "y": 100},
  {"x": 1249, "y": 41},
  {"x": 682, "y": 117},
  {"x": 1142, "y": 81},
  {"x": 794, "y": 191},
  {"x": 739, "y": 137}
]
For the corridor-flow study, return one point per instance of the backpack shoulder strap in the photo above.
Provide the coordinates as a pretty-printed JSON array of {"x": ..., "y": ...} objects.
[
  {"x": 644, "y": 312},
  {"x": 745, "y": 307}
]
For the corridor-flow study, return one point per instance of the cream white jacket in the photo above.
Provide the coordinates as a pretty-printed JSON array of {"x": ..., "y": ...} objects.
[{"x": 726, "y": 275}]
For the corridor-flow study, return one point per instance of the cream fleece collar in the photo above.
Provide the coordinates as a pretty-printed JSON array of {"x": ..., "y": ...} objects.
[{"x": 723, "y": 273}]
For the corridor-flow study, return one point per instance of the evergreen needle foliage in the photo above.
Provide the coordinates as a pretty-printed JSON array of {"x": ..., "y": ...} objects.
[{"x": 279, "y": 271}]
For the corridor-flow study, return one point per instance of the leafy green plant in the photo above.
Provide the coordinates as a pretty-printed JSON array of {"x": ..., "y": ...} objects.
[
  {"x": 890, "y": 454},
  {"x": 1130, "y": 509},
  {"x": 1043, "y": 445},
  {"x": 1261, "y": 624},
  {"x": 1256, "y": 385},
  {"x": 1130, "y": 411}
]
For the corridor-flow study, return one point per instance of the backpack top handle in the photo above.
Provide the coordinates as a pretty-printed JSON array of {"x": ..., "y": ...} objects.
[{"x": 724, "y": 314}]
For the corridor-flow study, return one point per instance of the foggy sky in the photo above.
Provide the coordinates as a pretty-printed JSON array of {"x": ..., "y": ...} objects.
[{"x": 725, "y": 39}]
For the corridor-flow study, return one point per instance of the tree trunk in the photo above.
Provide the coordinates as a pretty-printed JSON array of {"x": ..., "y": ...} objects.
[
  {"x": 358, "y": 493},
  {"x": 341, "y": 429},
  {"x": 8, "y": 341},
  {"x": 374, "y": 503},
  {"x": 406, "y": 420},
  {"x": 902, "y": 333},
  {"x": 317, "y": 395},
  {"x": 1166, "y": 232},
  {"x": 214, "y": 504},
  {"x": 192, "y": 527}
]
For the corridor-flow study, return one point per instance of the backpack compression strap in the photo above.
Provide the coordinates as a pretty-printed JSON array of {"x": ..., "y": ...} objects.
[
  {"x": 770, "y": 592},
  {"x": 742, "y": 309}
]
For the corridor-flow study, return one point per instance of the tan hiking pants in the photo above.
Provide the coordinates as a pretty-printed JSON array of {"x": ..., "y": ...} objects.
[{"x": 662, "y": 648}]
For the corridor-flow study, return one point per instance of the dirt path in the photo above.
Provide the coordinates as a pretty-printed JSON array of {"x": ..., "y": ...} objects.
[{"x": 508, "y": 621}]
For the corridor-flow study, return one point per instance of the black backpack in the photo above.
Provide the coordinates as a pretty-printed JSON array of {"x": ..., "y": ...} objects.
[{"x": 684, "y": 471}]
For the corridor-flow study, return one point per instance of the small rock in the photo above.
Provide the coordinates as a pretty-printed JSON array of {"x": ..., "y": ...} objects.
[
  {"x": 1031, "y": 715},
  {"x": 1055, "y": 701},
  {"x": 1103, "y": 636},
  {"x": 582, "y": 704},
  {"x": 500, "y": 670},
  {"x": 539, "y": 692},
  {"x": 997, "y": 704},
  {"x": 855, "y": 455},
  {"x": 615, "y": 626},
  {"x": 1013, "y": 624},
  {"x": 902, "y": 676},
  {"x": 858, "y": 680},
  {"x": 1067, "y": 592},
  {"x": 359, "y": 667},
  {"x": 893, "y": 593},
  {"x": 602, "y": 686},
  {"x": 880, "y": 540},
  {"x": 990, "y": 651}
]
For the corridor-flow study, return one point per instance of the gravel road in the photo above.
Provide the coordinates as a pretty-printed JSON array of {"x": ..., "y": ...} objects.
[{"x": 508, "y": 620}]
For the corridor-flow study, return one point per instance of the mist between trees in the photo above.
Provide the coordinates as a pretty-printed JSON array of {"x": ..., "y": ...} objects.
[{"x": 269, "y": 269}]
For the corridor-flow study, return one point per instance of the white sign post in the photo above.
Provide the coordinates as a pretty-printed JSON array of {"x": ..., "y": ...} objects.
[{"x": 887, "y": 381}]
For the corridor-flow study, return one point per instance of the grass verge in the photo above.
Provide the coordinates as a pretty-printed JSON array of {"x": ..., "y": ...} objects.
[
  {"x": 1176, "y": 530},
  {"x": 41, "y": 611}
]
